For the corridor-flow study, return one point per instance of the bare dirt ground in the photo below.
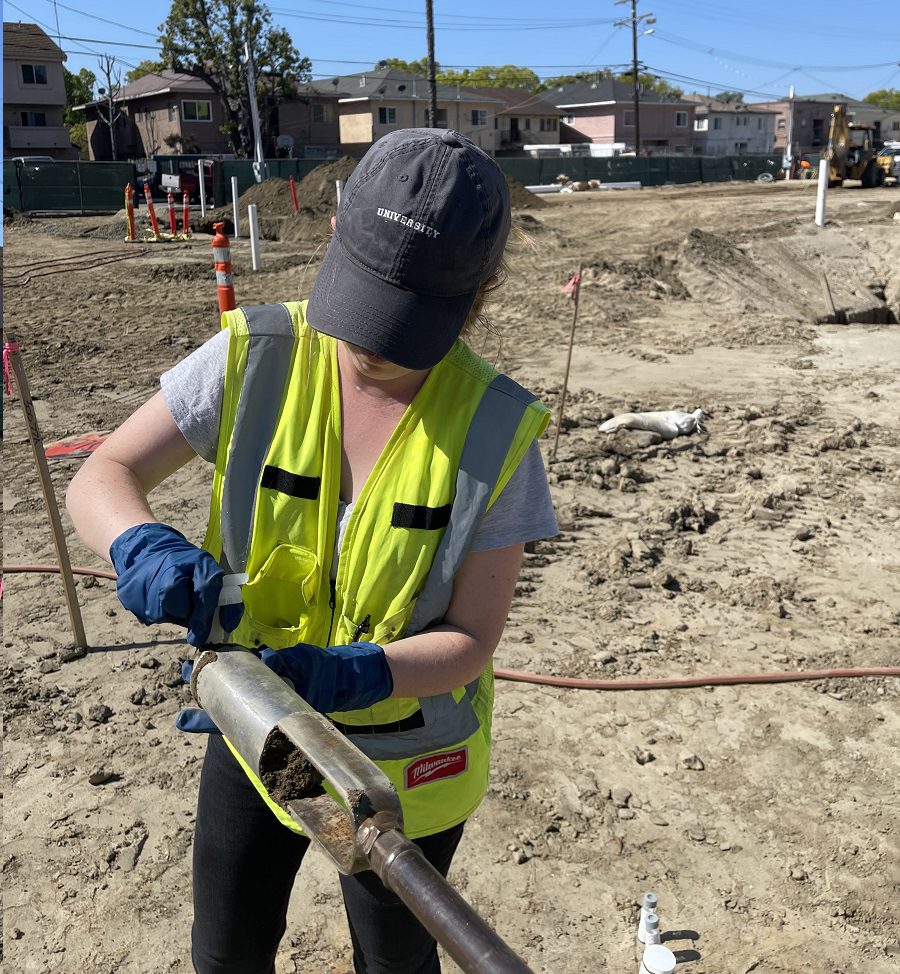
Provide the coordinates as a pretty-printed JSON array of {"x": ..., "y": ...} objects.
[{"x": 767, "y": 819}]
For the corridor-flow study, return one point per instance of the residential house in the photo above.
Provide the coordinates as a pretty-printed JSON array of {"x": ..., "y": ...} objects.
[
  {"x": 166, "y": 113},
  {"x": 731, "y": 128},
  {"x": 372, "y": 103},
  {"x": 34, "y": 95},
  {"x": 523, "y": 119},
  {"x": 604, "y": 112},
  {"x": 811, "y": 116}
]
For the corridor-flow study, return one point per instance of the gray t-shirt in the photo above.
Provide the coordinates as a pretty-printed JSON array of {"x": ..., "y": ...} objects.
[{"x": 193, "y": 392}]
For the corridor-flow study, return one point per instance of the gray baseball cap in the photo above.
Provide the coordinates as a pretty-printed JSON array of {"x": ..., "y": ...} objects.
[{"x": 422, "y": 224}]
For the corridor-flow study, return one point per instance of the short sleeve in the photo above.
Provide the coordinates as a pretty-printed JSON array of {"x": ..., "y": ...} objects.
[
  {"x": 193, "y": 391},
  {"x": 523, "y": 511}
]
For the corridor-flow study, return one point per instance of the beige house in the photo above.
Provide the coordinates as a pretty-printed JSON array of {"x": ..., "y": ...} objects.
[
  {"x": 523, "y": 119},
  {"x": 166, "y": 113},
  {"x": 34, "y": 95},
  {"x": 370, "y": 104}
]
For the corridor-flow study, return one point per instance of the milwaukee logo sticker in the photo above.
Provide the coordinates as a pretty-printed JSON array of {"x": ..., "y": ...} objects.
[{"x": 437, "y": 766}]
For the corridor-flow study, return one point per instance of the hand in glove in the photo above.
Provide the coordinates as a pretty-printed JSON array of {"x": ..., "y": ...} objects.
[
  {"x": 165, "y": 578},
  {"x": 194, "y": 720},
  {"x": 336, "y": 678}
]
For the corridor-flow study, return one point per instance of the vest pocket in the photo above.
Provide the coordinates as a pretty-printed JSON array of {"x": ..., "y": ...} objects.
[{"x": 280, "y": 594}]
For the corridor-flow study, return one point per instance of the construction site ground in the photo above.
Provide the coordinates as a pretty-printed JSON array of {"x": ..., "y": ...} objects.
[{"x": 766, "y": 818}]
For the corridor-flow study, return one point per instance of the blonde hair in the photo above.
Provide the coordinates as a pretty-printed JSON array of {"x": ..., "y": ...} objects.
[{"x": 477, "y": 319}]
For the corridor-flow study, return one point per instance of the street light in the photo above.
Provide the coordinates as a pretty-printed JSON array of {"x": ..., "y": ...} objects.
[{"x": 633, "y": 21}]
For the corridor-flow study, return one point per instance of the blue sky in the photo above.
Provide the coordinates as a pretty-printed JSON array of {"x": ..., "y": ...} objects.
[{"x": 700, "y": 45}]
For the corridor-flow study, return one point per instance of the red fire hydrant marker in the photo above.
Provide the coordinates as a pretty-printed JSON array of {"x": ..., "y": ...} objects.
[{"x": 224, "y": 279}]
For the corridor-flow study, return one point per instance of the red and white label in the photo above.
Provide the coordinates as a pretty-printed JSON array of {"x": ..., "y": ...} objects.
[{"x": 435, "y": 767}]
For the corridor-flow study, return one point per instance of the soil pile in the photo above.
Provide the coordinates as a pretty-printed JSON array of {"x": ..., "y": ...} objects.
[{"x": 521, "y": 198}]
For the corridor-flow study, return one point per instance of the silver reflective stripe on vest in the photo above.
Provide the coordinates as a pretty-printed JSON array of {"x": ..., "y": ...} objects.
[
  {"x": 266, "y": 371},
  {"x": 488, "y": 440}
]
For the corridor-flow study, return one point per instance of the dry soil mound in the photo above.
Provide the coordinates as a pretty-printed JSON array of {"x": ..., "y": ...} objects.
[{"x": 521, "y": 198}]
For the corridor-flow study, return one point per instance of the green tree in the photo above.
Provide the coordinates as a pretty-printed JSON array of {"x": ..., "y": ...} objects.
[
  {"x": 570, "y": 79},
  {"x": 143, "y": 69},
  {"x": 487, "y": 76},
  {"x": 419, "y": 67},
  {"x": 79, "y": 91},
  {"x": 206, "y": 38},
  {"x": 490, "y": 76},
  {"x": 885, "y": 98},
  {"x": 730, "y": 97}
]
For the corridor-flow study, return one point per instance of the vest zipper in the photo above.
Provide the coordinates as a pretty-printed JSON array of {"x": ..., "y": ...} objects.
[
  {"x": 362, "y": 628},
  {"x": 332, "y": 598}
]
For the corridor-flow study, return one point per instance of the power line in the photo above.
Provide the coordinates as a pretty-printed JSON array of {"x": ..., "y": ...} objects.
[{"x": 685, "y": 42}]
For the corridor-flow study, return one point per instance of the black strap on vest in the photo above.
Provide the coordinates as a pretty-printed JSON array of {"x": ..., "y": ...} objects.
[
  {"x": 292, "y": 484},
  {"x": 417, "y": 516}
]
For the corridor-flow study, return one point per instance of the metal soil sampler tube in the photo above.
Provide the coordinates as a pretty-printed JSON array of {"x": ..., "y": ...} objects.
[{"x": 343, "y": 801}]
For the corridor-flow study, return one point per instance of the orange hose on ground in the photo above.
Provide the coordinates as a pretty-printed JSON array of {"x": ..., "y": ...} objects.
[
  {"x": 575, "y": 683},
  {"x": 681, "y": 682}
]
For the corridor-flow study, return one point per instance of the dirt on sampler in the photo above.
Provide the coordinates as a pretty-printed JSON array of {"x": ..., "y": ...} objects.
[{"x": 765, "y": 818}]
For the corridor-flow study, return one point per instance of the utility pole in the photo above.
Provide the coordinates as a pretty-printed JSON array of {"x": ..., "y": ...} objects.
[
  {"x": 633, "y": 21},
  {"x": 432, "y": 84}
]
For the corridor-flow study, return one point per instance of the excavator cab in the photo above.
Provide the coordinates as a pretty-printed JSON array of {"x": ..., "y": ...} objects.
[{"x": 853, "y": 153}]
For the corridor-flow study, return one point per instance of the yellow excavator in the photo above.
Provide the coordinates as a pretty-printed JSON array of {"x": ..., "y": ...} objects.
[{"x": 853, "y": 152}]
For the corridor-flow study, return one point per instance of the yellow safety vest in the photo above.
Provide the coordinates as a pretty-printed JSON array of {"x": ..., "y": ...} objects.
[{"x": 274, "y": 512}]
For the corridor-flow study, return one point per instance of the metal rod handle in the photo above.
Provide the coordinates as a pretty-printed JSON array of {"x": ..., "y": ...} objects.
[{"x": 403, "y": 868}]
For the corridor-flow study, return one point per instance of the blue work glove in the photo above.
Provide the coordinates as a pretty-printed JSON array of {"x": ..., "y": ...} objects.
[
  {"x": 336, "y": 678},
  {"x": 193, "y": 720},
  {"x": 165, "y": 578}
]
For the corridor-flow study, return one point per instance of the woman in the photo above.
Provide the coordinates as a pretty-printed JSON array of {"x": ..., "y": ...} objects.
[{"x": 376, "y": 483}]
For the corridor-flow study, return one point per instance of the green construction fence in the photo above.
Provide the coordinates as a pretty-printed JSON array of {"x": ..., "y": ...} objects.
[
  {"x": 74, "y": 187},
  {"x": 100, "y": 186}
]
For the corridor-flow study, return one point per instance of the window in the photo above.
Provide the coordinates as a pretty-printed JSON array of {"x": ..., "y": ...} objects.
[
  {"x": 742, "y": 120},
  {"x": 681, "y": 120},
  {"x": 479, "y": 116},
  {"x": 569, "y": 119},
  {"x": 701, "y": 124},
  {"x": 527, "y": 124},
  {"x": 34, "y": 74},
  {"x": 34, "y": 118},
  {"x": 544, "y": 124},
  {"x": 895, "y": 126},
  {"x": 782, "y": 124},
  {"x": 759, "y": 123},
  {"x": 387, "y": 116},
  {"x": 717, "y": 123},
  {"x": 628, "y": 118},
  {"x": 440, "y": 121},
  {"x": 196, "y": 111},
  {"x": 322, "y": 113}
]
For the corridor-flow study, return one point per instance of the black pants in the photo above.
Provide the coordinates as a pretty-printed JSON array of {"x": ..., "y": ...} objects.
[{"x": 245, "y": 862}]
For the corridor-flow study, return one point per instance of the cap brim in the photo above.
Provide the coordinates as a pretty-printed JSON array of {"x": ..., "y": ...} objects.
[{"x": 412, "y": 330}]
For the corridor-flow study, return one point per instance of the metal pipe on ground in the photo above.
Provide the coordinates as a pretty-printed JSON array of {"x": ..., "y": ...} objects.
[{"x": 358, "y": 821}]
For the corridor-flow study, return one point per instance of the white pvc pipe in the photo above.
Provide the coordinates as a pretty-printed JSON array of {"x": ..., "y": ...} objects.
[
  {"x": 202, "y": 188},
  {"x": 234, "y": 206},
  {"x": 339, "y": 185},
  {"x": 254, "y": 235},
  {"x": 824, "y": 166}
]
